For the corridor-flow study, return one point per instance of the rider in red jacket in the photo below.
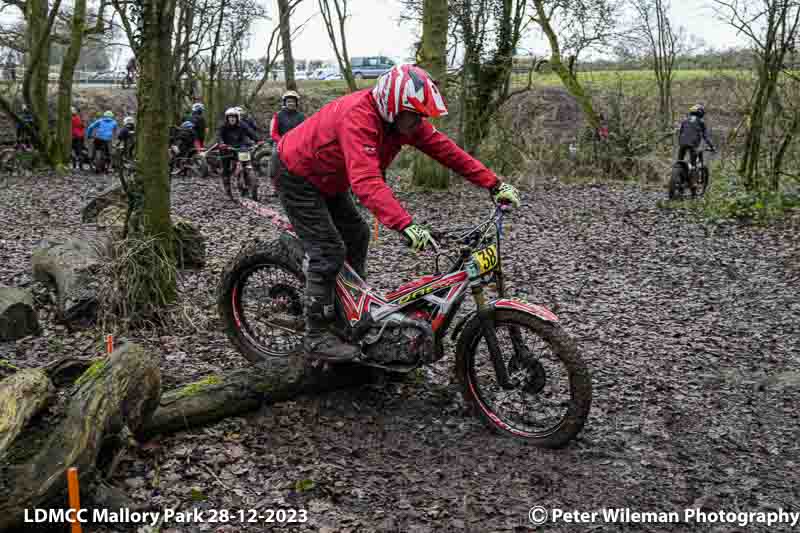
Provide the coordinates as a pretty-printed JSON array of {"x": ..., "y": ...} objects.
[
  {"x": 78, "y": 132},
  {"x": 349, "y": 143}
]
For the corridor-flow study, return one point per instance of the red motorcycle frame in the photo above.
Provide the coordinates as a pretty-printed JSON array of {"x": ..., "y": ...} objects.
[{"x": 404, "y": 329}]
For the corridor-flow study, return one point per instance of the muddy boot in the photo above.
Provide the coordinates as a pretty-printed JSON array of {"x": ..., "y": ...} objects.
[{"x": 319, "y": 341}]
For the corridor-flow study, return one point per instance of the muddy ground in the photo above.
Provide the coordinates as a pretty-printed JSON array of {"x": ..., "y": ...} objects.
[{"x": 691, "y": 331}]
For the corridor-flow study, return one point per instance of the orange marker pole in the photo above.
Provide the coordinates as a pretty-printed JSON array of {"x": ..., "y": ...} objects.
[
  {"x": 375, "y": 231},
  {"x": 109, "y": 344},
  {"x": 74, "y": 498}
]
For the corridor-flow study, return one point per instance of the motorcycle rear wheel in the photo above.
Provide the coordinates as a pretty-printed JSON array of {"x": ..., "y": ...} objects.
[
  {"x": 676, "y": 183},
  {"x": 259, "y": 299}
]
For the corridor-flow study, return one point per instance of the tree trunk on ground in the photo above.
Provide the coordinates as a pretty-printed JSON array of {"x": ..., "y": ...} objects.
[
  {"x": 433, "y": 52},
  {"x": 220, "y": 396},
  {"x": 150, "y": 203},
  {"x": 118, "y": 391},
  {"x": 113, "y": 195},
  {"x": 22, "y": 397},
  {"x": 286, "y": 41},
  {"x": 18, "y": 317},
  {"x": 72, "y": 266},
  {"x": 122, "y": 390},
  {"x": 62, "y": 148}
]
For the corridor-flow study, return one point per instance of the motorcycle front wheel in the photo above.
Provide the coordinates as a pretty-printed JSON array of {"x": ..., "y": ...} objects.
[{"x": 551, "y": 392}]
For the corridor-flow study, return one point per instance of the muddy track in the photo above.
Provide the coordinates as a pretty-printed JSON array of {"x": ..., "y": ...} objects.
[{"x": 692, "y": 333}]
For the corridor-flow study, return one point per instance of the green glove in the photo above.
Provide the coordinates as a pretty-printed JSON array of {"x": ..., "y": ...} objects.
[
  {"x": 506, "y": 193},
  {"x": 417, "y": 237}
]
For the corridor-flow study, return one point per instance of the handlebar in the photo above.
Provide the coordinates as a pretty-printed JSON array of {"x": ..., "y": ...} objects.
[{"x": 466, "y": 235}]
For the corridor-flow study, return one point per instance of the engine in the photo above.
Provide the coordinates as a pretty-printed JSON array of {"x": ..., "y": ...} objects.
[{"x": 400, "y": 339}]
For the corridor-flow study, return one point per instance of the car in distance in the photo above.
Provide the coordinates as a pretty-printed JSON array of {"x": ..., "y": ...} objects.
[{"x": 370, "y": 67}]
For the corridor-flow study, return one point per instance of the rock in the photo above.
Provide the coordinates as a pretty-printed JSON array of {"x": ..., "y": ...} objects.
[
  {"x": 72, "y": 265},
  {"x": 18, "y": 317},
  {"x": 190, "y": 244},
  {"x": 112, "y": 218},
  {"x": 114, "y": 195}
]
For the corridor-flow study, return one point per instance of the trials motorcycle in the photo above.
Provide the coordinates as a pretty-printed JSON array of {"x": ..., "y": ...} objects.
[{"x": 519, "y": 371}]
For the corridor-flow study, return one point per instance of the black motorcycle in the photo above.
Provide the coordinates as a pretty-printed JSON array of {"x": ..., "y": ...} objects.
[{"x": 696, "y": 180}]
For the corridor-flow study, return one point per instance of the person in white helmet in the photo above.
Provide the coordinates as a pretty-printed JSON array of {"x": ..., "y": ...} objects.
[
  {"x": 232, "y": 134},
  {"x": 127, "y": 137},
  {"x": 288, "y": 118}
]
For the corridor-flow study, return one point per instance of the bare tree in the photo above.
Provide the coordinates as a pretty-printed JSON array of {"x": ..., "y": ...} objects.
[
  {"x": 490, "y": 31},
  {"x": 79, "y": 30},
  {"x": 285, "y": 9},
  {"x": 572, "y": 27},
  {"x": 38, "y": 29},
  {"x": 150, "y": 193},
  {"x": 772, "y": 28},
  {"x": 653, "y": 32},
  {"x": 337, "y": 35}
]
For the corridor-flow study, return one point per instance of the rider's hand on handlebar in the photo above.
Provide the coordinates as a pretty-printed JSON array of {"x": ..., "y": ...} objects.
[
  {"x": 505, "y": 193},
  {"x": 417, "y": 237}
]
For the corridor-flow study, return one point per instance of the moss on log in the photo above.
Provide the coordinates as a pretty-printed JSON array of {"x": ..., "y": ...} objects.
[
  {"x": 121, "y": 392},
  {"x": 220, "y": 396}
]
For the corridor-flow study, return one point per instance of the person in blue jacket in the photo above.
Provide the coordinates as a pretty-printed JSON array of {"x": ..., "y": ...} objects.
[{"x": 102, "y": 131}]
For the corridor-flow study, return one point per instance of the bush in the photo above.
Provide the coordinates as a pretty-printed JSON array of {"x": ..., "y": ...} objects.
[{"x": 727, "y": 200}]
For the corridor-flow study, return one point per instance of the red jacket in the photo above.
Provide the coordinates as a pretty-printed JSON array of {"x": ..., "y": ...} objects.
[
  {"x": 347, "y": 144},
  {"x": 77, "y": 127},
  {"x": 274, "y": 133}
]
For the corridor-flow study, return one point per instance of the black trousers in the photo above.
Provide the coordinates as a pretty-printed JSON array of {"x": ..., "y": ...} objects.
[
  {"x": 330, "y": 228},
  {"x": 693, "y": 154},
  {"x": 77, "y": 146}
]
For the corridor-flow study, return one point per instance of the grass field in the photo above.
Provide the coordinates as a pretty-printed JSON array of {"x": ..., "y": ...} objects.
[
  {"x": 608, "y": 77},
  {"x": 549, "y": 79}
]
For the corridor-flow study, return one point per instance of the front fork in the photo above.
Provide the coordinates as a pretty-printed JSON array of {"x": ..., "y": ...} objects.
[{"x": 486, "y": 320}]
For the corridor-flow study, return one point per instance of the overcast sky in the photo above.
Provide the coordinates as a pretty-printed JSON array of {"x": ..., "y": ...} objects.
[{"x": 374, "y": 29}]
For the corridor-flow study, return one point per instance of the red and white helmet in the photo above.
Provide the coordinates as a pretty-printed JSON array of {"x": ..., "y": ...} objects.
[{"x": 407, "y": 88}]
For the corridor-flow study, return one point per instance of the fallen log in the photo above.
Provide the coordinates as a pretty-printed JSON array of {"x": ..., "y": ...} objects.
[
  {"x": 114, "y": 393},
  {"x": 114, "y": 195},
  {"x": 7, "y": 369},
  {"x": 18, "y": 317},
  {"x": 22, "y": 396},
  {"x": 72, "y": 265},
  {"x": 220, "y": 396}
]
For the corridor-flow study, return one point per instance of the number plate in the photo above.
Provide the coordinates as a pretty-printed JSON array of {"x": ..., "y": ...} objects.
[
  {"x": 486, "y": 259},
  {"x": 244, "y": 156}
]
